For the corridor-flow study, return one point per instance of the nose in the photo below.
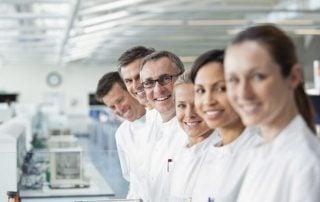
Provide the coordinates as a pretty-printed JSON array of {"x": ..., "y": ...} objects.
[
  {"x": 190, "y": 111},
  {"x": 158, "y": 89},
  {"x": 208, "y": 98},
  {"x": 119, "y": 109},
  {"x": 246, "y": 91},
  {"x": 137, "y": 85}
]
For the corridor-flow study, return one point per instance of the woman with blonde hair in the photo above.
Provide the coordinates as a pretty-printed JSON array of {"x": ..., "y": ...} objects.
[{"x": 187, "y": 165}]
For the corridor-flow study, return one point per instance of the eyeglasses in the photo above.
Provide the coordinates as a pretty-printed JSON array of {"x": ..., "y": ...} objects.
[{"x": 162, "y": 80}]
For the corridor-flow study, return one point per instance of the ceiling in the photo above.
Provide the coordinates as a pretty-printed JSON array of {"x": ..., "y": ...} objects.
[{"x": 96, "y": 32}]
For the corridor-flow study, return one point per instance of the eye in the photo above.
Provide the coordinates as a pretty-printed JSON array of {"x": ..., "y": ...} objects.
[
  {"x": 148, "y": 83},
  {"x": 181, "y": 106},
  {"x": 128, "y": 81},
  {"x": 120, "y": 100},
  {"x": 221, "y": 89},
  {"x": 200, "y": 91},
  {"x": 233, "y": 80},
  {"x": 258, "y": 77},
  {"x": 165, "y": 79}
]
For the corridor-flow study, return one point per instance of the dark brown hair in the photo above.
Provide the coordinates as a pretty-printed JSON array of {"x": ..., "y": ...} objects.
[
  {"x": 106, "y": 83},
  {"x": 132, "y": 54},
  {"x": 282, "y": 50},
  {"x": 207, "y": 57}
]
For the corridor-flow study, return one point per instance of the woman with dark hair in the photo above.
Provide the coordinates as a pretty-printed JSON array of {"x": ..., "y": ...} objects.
[
  {"x": 224, "y": 164},
  {"x": 265, "y": 87}
]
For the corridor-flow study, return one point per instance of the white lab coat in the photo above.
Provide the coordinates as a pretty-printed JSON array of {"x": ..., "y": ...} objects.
[
  {"x": 187, "y": 167},
  {"x": 287, "y": 169},
  {"x": 168, "y": 143},
  {"x": 131, "y": 140},
  {"x": 223, "y": 168}
]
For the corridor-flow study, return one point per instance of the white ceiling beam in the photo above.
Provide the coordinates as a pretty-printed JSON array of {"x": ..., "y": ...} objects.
[
  {"x": 103, "y": 18},
  {"x": 28, "y": 16},
  {"x": 244, "y": 8},
  {"x": 25, "y": 28},
  {"x": 71, "y": 22},
  {"x": 109, "y": 6},
  {"x": 33, "y": 1}
]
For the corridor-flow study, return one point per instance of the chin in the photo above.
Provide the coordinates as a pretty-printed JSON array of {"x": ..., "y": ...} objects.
[
  {"x": 163, "y": 109},
  {"x": 250, "y": 121},
  {"x": 212, "y": 124},
  {"x": 143, "y": 102}
]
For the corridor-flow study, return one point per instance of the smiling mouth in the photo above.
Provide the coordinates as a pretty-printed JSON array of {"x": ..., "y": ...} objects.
[
  {"x": 140, "y": 93},
  {"x": 249, "y": 109},
  {"x": 162, "y": 98},
  {"x": 192, "y": 123},
  {"x": 127, "y": 113},
  {"x": 213, "y": 113}
]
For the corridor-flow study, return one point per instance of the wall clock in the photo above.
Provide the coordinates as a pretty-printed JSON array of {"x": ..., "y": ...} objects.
[{"x": 54, "y": 79}]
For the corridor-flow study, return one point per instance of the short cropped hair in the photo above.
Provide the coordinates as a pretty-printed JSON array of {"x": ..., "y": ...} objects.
[
  {"x": 165, "y": 54},
  {"x": 132, "y": 54},
  {"x": 106, "y": 83}
]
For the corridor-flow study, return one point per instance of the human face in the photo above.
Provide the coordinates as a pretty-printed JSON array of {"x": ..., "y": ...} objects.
[
  {"x": 187, "y": 117},
  {"x": 123, "y": 104},
  {"x": 131, "y": 77},
  {"x": 211, "y": 98},
  {"x": 160, "y": 96},
  {"x": 256, "y": 88}
]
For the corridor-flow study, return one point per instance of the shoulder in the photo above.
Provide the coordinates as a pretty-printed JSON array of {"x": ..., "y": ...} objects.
[
  {"x": 123, "y": 128},
  {"x": 255, "y": 136}
]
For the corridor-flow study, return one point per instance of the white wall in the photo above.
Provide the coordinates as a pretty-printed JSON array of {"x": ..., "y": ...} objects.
[{"x": 30, "y": 82}]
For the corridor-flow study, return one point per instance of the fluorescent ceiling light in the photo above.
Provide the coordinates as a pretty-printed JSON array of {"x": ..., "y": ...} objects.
[
  {"x": 126, "y": 21},
  {"x": 90, "y": 36},
  {"x": 188, "y": 58},
  {"x": 233, "y": 31},
  {"x": 159, "y": 22},
  {"x": 307, "y": 31},
  {"x": 25, "y": 16},
  {"x": 100, "y": 27},
  {"x": 109, "y": 6},
  {"x": 76, "y": 52},
  {"x": 287, "y": 21},
  {"x": 217, "y": 22},
  {"x": 103, "y": 18},
  {"x": 70, "y": 58}
]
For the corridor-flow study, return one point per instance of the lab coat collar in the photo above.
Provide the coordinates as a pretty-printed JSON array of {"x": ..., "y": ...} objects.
[
  {"x": 142, "y": 119},
  {"x": 288, "y": 136},
  {"x": 237, "y": 144},
  {"x": 199, "y": 148}
]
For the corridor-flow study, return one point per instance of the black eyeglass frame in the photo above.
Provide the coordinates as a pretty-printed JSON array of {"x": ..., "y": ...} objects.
[{"x": 160, "y": 80}]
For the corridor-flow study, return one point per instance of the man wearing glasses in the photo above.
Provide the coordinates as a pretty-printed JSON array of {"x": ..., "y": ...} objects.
[{"x": 158, "y": 73}]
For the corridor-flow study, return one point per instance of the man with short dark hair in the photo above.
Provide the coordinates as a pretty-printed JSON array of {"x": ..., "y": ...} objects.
[
  {"x": 129, "y": 69},
  {"x": 113, "y": 93}
]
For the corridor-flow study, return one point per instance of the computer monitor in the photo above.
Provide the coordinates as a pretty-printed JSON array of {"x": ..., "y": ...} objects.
[{"x": 316, "y": 103}]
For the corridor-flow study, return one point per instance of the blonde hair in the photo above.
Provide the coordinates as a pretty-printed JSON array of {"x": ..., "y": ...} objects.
[{"x": 182, "y": 79}]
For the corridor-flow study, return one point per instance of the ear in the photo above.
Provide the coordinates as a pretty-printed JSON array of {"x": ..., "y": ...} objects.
[{"x": 295, "y": 77}]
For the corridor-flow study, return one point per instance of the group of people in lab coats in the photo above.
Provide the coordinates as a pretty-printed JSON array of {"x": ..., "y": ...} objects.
[{"x": 238, "y": 126}]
